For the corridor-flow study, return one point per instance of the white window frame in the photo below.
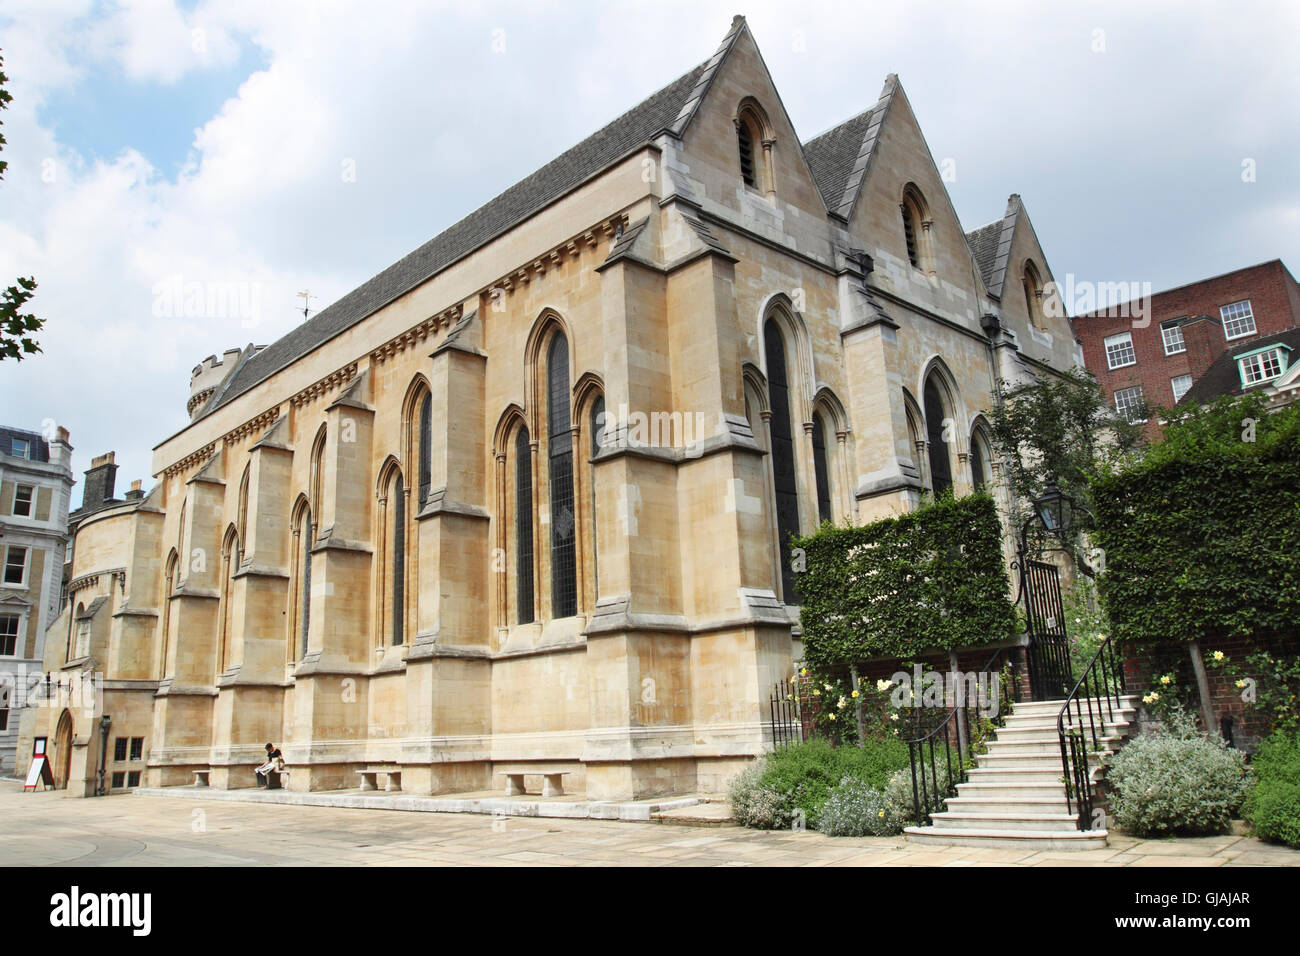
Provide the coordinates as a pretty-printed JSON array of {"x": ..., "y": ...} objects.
[
  {"x": 1114, "y": 341},
  {"x": 1255, "y": 361},
  {"x": 27, "y": 448},
  {"x": 31, "y": 501},
  {"x": 1173, "y": 384},
  {"x": 1174, "y": 327},
  {"x": 1128, "y": 417},
  {"x": 18, "y": 632},
  {"x": 27, "y": 564},
  {"x": 1225, "y": 317}
]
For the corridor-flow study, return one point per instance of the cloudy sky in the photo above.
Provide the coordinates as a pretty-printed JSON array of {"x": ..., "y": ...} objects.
[{"x": 271, "y": 147}]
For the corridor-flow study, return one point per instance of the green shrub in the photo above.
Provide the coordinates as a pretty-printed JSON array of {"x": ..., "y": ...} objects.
[
  {"x": 1274, "y": 805},
  {"x": 857, "y": 809},
  {"x": 1177, "y": 782},
  {"x": 934, "y": 577},
  {"x": 898, "y": 791},
  {"x": 801, "y": 778}
]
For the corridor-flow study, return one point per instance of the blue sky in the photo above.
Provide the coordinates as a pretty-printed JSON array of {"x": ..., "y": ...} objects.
[{"x": 149, "y": 141}]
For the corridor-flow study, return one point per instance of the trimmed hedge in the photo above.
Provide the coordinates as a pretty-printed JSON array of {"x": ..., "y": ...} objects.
[
  {"x": 1202, "y": 536},
  {"x": 933, "y": 578}
]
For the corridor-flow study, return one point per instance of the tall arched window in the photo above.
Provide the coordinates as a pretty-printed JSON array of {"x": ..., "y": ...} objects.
[
  {"x": 425, "y": 451},
  {"x": 745, "y": 136},
  {"x": 915, "y": 219},
  {"x": 820, "y": 467},
  {"x": 1033, "y": 289},
  {"x": 241, "y": 523},
  {"x": 229, "y": 565},
  {"x": 597, "y": 440},
  {"x": 168, "y": 585},
  {"x": 783, "y": 472},
  {"x": 397, "y": 570},
  {"x": 939, "y": 429},
  {"x": 559, "y": 439},
  {"x": 306, "y": 535},
  {"x": 979, "y": 461},
  {"x": 523, "y": 526}
]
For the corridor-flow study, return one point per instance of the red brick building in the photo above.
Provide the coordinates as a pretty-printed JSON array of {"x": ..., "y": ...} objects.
[{"x": 1153, "y": 352}]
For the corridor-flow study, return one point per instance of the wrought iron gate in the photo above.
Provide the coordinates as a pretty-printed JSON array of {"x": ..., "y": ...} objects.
[{"x": 1050, "y": 676}]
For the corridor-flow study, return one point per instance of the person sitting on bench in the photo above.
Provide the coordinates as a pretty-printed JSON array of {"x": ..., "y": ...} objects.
[{"x": 272, "y": 755}]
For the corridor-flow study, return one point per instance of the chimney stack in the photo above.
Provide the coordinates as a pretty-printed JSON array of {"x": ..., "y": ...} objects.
[
  {"x": 101, "y": 476},
  {"x": 136, "y": 492}
]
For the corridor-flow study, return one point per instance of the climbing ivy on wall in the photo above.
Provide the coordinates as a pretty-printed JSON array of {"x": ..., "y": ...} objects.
[{"x": 930, "y": 579}]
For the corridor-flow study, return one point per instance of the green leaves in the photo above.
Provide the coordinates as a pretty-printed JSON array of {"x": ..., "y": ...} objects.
[
  {"x": 1202, "y": 534},
  {"x": 930, "y": 579}
]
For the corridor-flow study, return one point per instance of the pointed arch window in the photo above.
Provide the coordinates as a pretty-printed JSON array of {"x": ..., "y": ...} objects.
[
  {"x": 559, "y": 438},
  {"x": 783, "y": 469},
  {"x": 597, "y": 440},
  {"x": 229, "y": 565},
  {"x": 397, "y": 566},
  {"x": 306, "y": 534},
  {"x": 425, "y": 451},
  {"x": 754, "y": 144},
  {"x": 979, "y": 461},
  {"x": 915, "y": 225},
  {"x": 1033, "y": 289},
  {"x": 242, "y": 521},
  {"x": 523, "y": 526},
  {"x": 937, "y": 433},
  {"x": 821, "y": 468},
  {"x": 169, "y": 585},
  {"x": 745, "y": 136}
]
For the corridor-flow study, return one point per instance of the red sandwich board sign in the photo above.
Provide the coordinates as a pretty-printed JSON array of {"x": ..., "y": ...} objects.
[{"x": 39, "y": 771}]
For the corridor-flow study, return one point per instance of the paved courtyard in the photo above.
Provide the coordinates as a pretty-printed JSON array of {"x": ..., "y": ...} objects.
[{"x": 52, "y": 829}]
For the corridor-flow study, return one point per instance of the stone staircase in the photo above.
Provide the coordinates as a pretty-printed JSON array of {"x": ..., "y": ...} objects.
[{"x": 1015, "y": 795}]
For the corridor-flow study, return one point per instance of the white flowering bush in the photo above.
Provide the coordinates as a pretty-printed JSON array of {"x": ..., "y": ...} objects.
[
  {"x": 754, "y": 805},
  {"x": 1176, "y": 781},
  {"x": 898, "y": 791},
  {"x": 855, "y": 809}
]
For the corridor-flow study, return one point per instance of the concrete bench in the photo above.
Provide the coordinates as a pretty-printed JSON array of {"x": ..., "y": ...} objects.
[
  {"x": 552, "y": 781},
  {"x": 201, "y": 778},
  {"x": 275, "y": 778},
  {"x": 370, "y": 778}
]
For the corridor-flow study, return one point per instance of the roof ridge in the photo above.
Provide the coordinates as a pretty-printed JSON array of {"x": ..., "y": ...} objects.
[{"x": 525, "y": 198}]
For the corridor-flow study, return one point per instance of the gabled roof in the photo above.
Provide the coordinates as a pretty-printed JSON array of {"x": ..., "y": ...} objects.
[
  {"x": 991, "y": 247},
  {"x": 1222, "y": 378},
  {"x": 668, "y": 109},
  {"x": 839, "y": 158}
]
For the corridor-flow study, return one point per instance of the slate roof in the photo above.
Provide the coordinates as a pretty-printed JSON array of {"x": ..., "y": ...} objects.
[
  {"x": 984, "y": 247},
  {"x": 1221, "y": 378},
  {"x": 832, "y": 154},
  {"x": 570, "y": 169}
]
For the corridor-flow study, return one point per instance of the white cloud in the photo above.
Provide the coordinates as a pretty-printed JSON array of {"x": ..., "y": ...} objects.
[{"x": 436, "y": 122}]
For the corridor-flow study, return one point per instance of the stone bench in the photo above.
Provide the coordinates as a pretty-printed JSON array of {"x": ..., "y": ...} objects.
[
  {"x": 552, "y": 781},
  {"x": 275, "y": 777},
  {"x": 370, "y": 778},
  {"x": 201, "y": 778}
]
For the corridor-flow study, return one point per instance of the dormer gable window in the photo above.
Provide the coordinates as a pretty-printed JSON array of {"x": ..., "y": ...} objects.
[
  {"x": 1262, "y": 365},
  {"x": 916, "y": 228}
]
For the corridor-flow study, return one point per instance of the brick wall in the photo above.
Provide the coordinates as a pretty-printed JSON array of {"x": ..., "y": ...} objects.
[
  {"x": 1141, "y": 671},
  {"x": 1275, "y": 301}
]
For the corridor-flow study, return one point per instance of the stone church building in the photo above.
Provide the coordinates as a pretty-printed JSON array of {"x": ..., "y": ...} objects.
[{"x": 523, "y": 499}]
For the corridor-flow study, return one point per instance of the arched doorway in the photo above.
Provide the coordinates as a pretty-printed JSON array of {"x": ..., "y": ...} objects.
[{"x": 62, "y": 761}]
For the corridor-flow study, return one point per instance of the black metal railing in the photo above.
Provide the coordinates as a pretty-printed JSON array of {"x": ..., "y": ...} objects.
[
  {"x": 1082, "y": 726},
  {"x": 950, "y": 747},
  {"x": 786, "y": 715}
]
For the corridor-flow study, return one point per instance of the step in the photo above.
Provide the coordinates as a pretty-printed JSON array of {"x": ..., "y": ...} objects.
[
  {"x": 966, "y": 820},
  {"x": 1014, "y": 805},
  {"x": 1036, "y": 727},
  {"x": 1070, "y": 839},
  {"x": 1041, "y": 708},
  {"x": 1041, "y": 745},
  {"x": 1010, "y": 790}
]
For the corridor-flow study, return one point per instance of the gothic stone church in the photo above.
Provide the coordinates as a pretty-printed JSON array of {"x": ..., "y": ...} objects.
[{"x": 425, "y": 532}]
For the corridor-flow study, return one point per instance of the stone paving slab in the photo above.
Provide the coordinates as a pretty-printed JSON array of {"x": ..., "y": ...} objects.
[{"x": 52, "y": 829}]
